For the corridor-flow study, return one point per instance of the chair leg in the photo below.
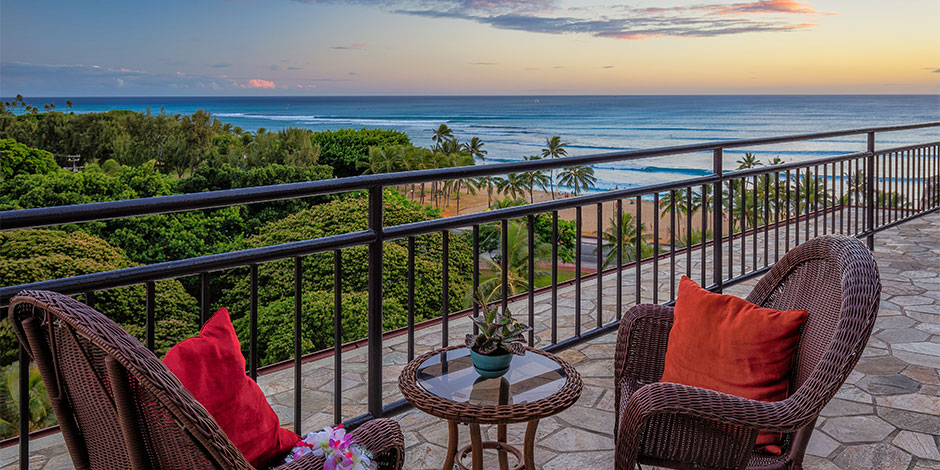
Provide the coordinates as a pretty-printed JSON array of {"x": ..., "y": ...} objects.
[{"x": 127, "y": 414}]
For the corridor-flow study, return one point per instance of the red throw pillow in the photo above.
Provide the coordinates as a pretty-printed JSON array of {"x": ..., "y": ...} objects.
[
  {"x": 212, "y": 368},
  {"x": 727, "y": 344}
]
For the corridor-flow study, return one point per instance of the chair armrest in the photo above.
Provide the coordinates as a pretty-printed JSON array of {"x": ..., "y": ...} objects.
[
  {"x": 641, "y": 343},
  {"x": 382, "y": 437},
  {"x": 671, "y": 398}
]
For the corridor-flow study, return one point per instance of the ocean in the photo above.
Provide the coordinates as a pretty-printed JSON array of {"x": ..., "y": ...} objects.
[{"x": 513, "y": 127}]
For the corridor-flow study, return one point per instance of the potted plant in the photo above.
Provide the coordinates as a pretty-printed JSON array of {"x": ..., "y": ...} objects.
[{"x": 500, "y": 337}]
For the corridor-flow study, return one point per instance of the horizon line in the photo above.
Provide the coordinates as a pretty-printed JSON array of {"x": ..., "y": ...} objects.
[{"x": 451, "y": 95}]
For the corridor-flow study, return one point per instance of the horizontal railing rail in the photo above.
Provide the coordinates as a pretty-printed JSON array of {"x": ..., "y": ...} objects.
[{"x": 754, "y": 215}]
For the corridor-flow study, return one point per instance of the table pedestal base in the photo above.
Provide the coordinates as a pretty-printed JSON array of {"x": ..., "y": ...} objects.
[{"x": 525, "y": 459}]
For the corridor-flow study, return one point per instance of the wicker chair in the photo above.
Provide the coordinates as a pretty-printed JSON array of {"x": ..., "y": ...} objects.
[
  {"x": 119, "y": 407},
  {"x": 665, "y": 424}
]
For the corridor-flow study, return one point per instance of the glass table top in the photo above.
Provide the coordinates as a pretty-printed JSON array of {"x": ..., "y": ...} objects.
[{"x": 450, "y": 375}]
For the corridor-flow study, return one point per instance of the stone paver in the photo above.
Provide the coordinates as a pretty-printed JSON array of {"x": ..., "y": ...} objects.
[{"x": 886, "y": 416}]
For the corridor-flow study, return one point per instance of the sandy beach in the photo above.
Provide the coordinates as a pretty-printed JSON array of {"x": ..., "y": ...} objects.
[{"x": 478, "y": 202}]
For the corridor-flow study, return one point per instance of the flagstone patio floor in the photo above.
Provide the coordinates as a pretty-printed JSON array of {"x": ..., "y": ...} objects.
[{"x": 886, "y": 416}]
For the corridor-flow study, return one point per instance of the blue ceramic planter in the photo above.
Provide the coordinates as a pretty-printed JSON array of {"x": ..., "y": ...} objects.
[{"x": 491, "y": 366}]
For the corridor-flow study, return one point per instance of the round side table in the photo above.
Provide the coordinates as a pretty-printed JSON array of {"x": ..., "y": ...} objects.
[{"x": 443, "y": 383}]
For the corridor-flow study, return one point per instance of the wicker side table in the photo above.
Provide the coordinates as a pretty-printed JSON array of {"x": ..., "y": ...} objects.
[{"x": 443, "y": 383}]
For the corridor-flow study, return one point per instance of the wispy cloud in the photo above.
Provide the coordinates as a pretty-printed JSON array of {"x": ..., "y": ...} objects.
[
  {"x": 617, "y": 21},
  {"x": 258, "y": 83},
  {"x": 482, "y": 63},
  {"x": 220, "y": 65},
  {"x": 607, "y": 67},
  {"x": 766, "y": 6},
  {"x": 936, "y": 71},
  {"x": 356, "y": 46}
]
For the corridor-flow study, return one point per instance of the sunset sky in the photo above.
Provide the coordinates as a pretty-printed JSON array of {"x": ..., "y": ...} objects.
[{"x": 416, "y": 47}]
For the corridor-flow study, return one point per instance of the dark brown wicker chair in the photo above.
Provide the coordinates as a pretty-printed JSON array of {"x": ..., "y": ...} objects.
[
  {"x": 119, "y": 407},
  {"x": 835, "y": 279}
]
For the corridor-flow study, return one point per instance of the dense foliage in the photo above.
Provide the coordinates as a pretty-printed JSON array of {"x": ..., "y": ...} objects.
[
  {"x": 17, "y": 159},
  {"x": 41, "y": 415},
  {"x": 347, "y": 149},
  {"x": 37, "y": 255},
  {"x": 180, "y": 143},
  {"x": 276, "y": 279}
]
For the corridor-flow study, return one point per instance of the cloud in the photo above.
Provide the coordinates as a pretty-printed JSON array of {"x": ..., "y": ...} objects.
[
  {"x": 936, "y": 71},
  {"x": 273, "y": 68},
  {"x": 220, "y": 65},
  {"x": 618, "y": 21},
  {"x": 607, "y": 67},
  {"x": 258, "y": 83},
  {"x": 482, "y": 63},
  {"x": 294, "y": 68},
  {"x": 766, "y": 6},
  {"x": 356, "y": 46}
]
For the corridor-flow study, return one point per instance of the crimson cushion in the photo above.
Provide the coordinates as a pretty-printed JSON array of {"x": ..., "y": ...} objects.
[
  {"x": 212, "y": 368},
  {"x": 727, "y": 344}
]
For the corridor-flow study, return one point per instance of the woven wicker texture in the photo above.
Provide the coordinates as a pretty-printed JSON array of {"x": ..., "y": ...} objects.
[
  {"x": 836, "y": 280},
  {"x": 489, "y": 414},
  {"x": 119, "y": 407}
]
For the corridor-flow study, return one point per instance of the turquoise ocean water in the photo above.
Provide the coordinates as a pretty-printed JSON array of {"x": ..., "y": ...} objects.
[{"x": 515, "y": 126}]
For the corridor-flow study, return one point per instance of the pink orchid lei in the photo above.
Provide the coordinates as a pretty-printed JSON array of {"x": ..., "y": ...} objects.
[{"x": 339, "y": 449}]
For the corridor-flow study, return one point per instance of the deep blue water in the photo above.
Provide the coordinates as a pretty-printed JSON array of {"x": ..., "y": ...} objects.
[{"x": 515, "y": 126}]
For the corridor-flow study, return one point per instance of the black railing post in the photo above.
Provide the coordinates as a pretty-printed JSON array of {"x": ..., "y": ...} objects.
[
  {"x": 717, "y": 162},
  {"x": 375, "y": 302},
  {"x": 870, "y": 191}
]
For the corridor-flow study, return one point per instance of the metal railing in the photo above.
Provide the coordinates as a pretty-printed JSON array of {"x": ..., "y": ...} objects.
[{"x": 755, "y": 215}]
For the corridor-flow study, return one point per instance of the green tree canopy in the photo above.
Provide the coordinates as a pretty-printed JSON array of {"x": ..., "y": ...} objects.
[
  {"x": 344, "y": 149},
  {"x": 276, "y": 279},
  {"x": 37, "y": 255},
  {"x": 18, "y": 159}
]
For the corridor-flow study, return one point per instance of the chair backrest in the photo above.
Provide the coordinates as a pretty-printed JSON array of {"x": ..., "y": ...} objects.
[
  {"x": 836, "y": 280},
  {"x": 118, "y": 406}
]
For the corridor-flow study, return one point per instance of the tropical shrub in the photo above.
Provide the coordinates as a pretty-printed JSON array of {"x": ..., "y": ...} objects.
[
  {"x": 347, "y": 149},
  {"x": 18, "y": 159},
  {"x": 37, "y": 255},
  {"x": 276, "y": 323},
  {"x": 276, "y": 279},
  {"x": 41, "y": 415},
  {"x": 208, "y": 178}
]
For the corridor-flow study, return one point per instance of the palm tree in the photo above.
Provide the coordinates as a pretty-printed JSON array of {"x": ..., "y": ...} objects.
[
  {"x": 475, "y": 148},
  {"x": 441, "y": 135},
  {"x": 702, "y": 199},
  {"x": 381, "y": 160},
  {"x": 748, "y": 161},
  {"x": 627, "y": 237},
  {"x": 811, "y": 192},
  {"x": 536, "y": 178},
  {"x": 681, "y": 202},
  {"x": 513, "y": 185},
  {"x": 462, "y": 159},
  {"x": 517, "y": 248},
  {"x": 578, "y": 178},
  {"x": 39, "y": 405},
  {"x": 554, "y": 148},
  {"x": 696, "y": 236}
]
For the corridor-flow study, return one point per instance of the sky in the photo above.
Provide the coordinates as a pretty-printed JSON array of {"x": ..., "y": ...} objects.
[{"x": 467, "y": 47}]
